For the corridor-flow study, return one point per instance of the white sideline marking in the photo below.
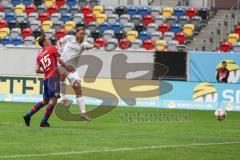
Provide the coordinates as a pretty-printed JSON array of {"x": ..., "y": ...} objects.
[{"x": 115, "y": 150}]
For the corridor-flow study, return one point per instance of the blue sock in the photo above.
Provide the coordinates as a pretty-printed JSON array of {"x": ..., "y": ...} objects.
[
  {"x": 35, "y": 108},
  {"x": 48, "y": 112}
]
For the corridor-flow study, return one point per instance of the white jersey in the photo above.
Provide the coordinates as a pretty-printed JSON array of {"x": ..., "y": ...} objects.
[{"x": 66, "y": 39}]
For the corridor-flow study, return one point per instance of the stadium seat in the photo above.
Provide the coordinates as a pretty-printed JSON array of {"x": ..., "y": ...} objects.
[
  {"x": 55, "y": 17},
  {"x": 66, "y": 17},
  {"x": 172, "y": 45},
  {"x": 237, "y": 30},
  {"x": 74, "y": 10},
  {"x": 124, "y": 43},
  {"x": 83, "y": 2},
  {"x": 137, "y": 44},
  {"x": 181, "y": 37},
  {"x": 19, "y": 9},
  {"x": 176, "y": 28},
  {"x": 57, "y": 25},
  {"x": 160, "y": 45},
  {"x": 17, "y": 41},
  {"x": 155, "y": 11},
  {"x": 188, "y": 29},
  {"x": 2, "y": 15},
  {"x": 120, "y": 10},
  {"x": 144, "y": 35},
  {"x": 167, "y": 12},
  {"x": 100, "y": 18},
  {"x": 30, "y": 9},
  {"x": 27, "y": 2},
  {"x": 128, "y": 27},
  {"x": 43, "y": 17},
  {"x": 179, "y": 12},
  {"x": 183, "y": 20},
  {"x": 147, "y": 19},
  {"x": 4, "y": 32},
  {"x": 190, "y": 12},
  {"x": 119, "y": 35},
  {"x": 78, "y": 17},
  {"x": 60, "y": 3},
  {"x": 233, "y": 38},
  {"x": 111, "y": 44},
  {"x": 197, "y": 22},
  {"x": 35, "y": 25},
  {"x": 148, "y": 44},
  {"x": 46, "y": 25},
  {"x": 164, "y": 27},
  {"x": 70, "y": 25},
  {"x": 71, "y": 3},
  {"x": 16, "y": 2},
  {"x": 92, "y": 26},
  {"x": 81, "y": 24},
  {"x": 236, "y": 47},
  {"x": 109, "y": 10},
  {"x": 104, "y": 26},
  {"x": 159, "y": 20},
  {"x": 29, "y": 41},
  {"x": 171, "y": 20},
  {"x": 144, "y": 11},
  {"x": 124, "y": 18},
  {"x": 10, "y": 17},
  {"x": 204, "y": 13},
  {"x": 5, "y": 40},
  {"x": 64, "y": 9},
  {"x": 152, "y": 27},
  {"x": 136, "y": 19},
  {"x": 52, "y": 9},
  {"x": 116, "y": 27},
  {"x": 60, "y": 33},
  {"x": 100, "y": 42},
  {"x": 1, "y": 7},
  {"x": 3, "y": 23},
  {"x": 89, "y": 18},
  {"x": 132, "y": 35},
  {"x": 21, "y": 17},
  {"x": 12, "y": 24},
  {"x": 96, "y": 10},
  {"x": 8, "y": 8},
  {"x": 132, "y": 10},
  {"x": 37, "y": 33},
  {"x": 156, "y": 36},
  {"x": 24, "y": 24},
  {"x": 38, "y": 2},
  {"x": 26, "y": 32},
  {"x": 93, "y": 2},
  {"x": 49, "y": 3},
  {"x": 168, "y": 36},
  {"x": 112, "y": 18},
  {"x": 225, "y": 47},
  {"x": 86, "y": 10},
  {"x": 96, "y": 34},
  {"x": 53, "y": 40},
  {"x": 15, "y": 32},
  {"x": 50, "y": 33},
  {"x": 41, "y": 9},
  {"x": 140, "y": 27},
  {"x": 32, "y": 17}
]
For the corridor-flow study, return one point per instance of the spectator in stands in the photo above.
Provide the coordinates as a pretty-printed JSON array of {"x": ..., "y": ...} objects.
[{"x": 222, "y": 73}]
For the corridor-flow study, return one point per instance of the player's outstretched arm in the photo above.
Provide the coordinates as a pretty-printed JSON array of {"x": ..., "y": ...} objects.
[
  {"x": 38, "y": 69},
  {"x": 91, "y": 46},
  {"x": 68, "y": 68}
]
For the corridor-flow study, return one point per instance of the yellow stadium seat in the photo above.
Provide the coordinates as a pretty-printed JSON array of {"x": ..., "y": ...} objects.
[
  {"x": 49, "y": 3},
  {"x": 160, "y": 45},
  {"x": 132, "y": 35},
  {"x": 46, "y": 25},
  {"x": 19, "y": 9},
  {"x": 70, "y": 25},
  {"x": 36, "y": 41},
  {"x": 4, "y": 32},
  {"x": 233, "y": 38},
  {"x": 97, "y": 10},
  {"x": 100, "y": 18},
  {"x": 167, "y": 12},
  {"x": 188, "y": 29}
]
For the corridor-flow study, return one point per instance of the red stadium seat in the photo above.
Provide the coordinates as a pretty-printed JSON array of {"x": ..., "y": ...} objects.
[
  {"x": 164, "y": 27},
  {"x": 52, "y": 9},
  {"x": 148, "y": 19},
  {"x": 43, "y": 17},
  {"x": 86, "y": 9},
  {"x": 191, "y": 12},
  {"x": 26, "y": 32},
  {"x": 237, "y": 30},
  {"x": 1, "y": 7},
  {"x": 225, "y": 47},
  {"x": 100, "y": 42},
  {"x": 30, "y": 9},
  {"x": 59, "y": 3},
  {"x": 89, "y": 18},
  {"x": 124, "y": 43},
  {"x": 148, "y": 44},
  {"x": 60, "y": 33},
  {"x": 181, "y": 37},
  {"x": 3, "y": 23}
]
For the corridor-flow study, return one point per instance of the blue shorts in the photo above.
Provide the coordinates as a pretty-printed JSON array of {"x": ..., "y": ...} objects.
[{"x": 51, "y": 88}]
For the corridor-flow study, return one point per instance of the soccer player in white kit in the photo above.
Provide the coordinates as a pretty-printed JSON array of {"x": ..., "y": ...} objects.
[{"x": 71, "y": 52}]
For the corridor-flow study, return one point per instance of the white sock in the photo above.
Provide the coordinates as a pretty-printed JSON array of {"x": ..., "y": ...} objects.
[
  {"x": 81, "y": 103},
  {"x": 63, "y": 89}
]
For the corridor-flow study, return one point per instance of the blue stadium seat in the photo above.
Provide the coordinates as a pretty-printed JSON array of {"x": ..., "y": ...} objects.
[
  {"x": 179, "y": 12},
  {"x": 176, "y": 28},
  {"x": 6, "y": 40},
  {"x": 10, "y": 17},
  {"x": 27, "y": 2},
  {"x": 144, "y": 11},
  {"x": 116, "y": 27},
  {"x": 104, "y": 26},
  {"x": 16, "y": 2},
  {"x": 17, "y": 41},
  {"x": 71, "y": 3},
  {"x": 66, "y": 17},
  {"x": 132, "y": 11},
  {"x": 144, "y": 35}
]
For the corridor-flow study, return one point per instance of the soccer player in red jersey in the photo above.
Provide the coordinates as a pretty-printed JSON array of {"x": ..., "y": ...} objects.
[{"x": 46, "y": 64}]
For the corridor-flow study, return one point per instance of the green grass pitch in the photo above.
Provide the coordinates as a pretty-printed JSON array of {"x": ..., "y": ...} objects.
[{"x": 111, "y": 137}]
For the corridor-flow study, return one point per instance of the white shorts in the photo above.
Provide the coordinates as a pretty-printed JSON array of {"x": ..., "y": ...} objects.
[{"x": 72, "y": 77}]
